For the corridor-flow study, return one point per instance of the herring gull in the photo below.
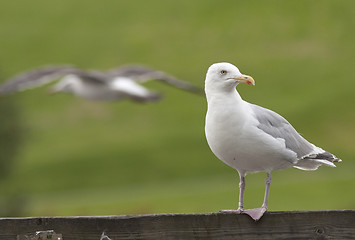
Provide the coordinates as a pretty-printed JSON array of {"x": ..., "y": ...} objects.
[
  {"x": 117, "y": 84},
  {"x": 250, "y": 138}
]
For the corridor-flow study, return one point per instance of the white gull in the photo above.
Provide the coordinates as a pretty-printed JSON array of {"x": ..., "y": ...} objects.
[{"x": 250, "y": 138}]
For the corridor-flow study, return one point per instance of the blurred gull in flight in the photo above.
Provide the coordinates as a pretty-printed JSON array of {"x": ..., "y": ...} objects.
[
  {"x": 251, "y": 138},
  {"x": 113, "y": 85}
]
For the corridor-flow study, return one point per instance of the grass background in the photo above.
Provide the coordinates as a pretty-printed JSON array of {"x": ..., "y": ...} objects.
[{"x": 90, "y": 158}]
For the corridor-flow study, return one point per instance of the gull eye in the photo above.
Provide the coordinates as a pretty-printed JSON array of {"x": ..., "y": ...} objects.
[{"x": 223, "y": 72}]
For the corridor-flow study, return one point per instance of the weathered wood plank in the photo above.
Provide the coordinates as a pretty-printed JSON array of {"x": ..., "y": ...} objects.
[{"x": 273, "y": 225}]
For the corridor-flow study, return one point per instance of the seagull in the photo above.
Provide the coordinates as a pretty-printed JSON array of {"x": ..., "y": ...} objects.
[
  {"x": 250, "y": 138},
  {"x": 117, "y": 84}
]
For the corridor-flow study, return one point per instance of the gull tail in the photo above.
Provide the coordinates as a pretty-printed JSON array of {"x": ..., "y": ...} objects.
[{"x": 314, "y": 160}]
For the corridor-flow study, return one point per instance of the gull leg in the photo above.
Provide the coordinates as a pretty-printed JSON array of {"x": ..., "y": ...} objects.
[
  {"x": 241, "y": 193},
  {"x": 267, "y": 190},
  {"x": 241, "y": 196},
  {"x": 257, "y": 213}
]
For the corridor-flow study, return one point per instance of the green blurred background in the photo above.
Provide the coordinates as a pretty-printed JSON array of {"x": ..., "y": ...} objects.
[{"x": 66, "y": 156}]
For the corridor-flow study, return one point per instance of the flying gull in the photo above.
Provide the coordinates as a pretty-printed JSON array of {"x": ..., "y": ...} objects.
[
  {"x": 251, "y": 138},
  {"x": 117, "y": 84}
]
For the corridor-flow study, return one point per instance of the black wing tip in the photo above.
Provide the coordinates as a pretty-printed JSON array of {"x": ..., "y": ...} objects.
[
  {"x": 177, "y": 82},
  {"x": 324, "y": 156}
]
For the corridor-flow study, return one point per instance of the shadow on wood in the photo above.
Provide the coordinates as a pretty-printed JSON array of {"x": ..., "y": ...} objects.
[{"x": 273, "y": 225}]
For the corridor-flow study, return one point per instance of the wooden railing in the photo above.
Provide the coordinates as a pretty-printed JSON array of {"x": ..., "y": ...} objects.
[{"x": 273, "y": 225}]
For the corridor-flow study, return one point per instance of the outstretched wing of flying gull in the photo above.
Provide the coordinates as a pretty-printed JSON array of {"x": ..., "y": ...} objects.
[{"x": 143, "y": 74}]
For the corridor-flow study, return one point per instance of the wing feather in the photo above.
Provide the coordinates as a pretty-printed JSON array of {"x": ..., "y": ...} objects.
[
  {"x": 278, "y": 127},
  {"x": 43, "y": 75},
  {"x": 142, "y": 74}
]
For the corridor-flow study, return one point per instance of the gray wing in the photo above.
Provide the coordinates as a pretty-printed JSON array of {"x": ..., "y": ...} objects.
[
  {"x": 278, "y": 127},
  {"x": 142, "y": 74},
  {"x": 43, "y": 75}
]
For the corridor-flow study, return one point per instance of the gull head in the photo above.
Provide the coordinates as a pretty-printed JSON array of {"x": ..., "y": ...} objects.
[{"x": 225, "y": 77}]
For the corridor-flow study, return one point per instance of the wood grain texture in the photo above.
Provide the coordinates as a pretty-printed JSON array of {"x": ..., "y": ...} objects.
[{"x": 273, "y": 225}]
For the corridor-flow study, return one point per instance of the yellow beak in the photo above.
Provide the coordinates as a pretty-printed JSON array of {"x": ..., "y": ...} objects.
[{"x": 246, "y": 79}]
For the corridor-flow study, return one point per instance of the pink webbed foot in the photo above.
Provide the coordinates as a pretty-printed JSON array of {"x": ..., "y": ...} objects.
[{"x": 255, "y": 213}]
